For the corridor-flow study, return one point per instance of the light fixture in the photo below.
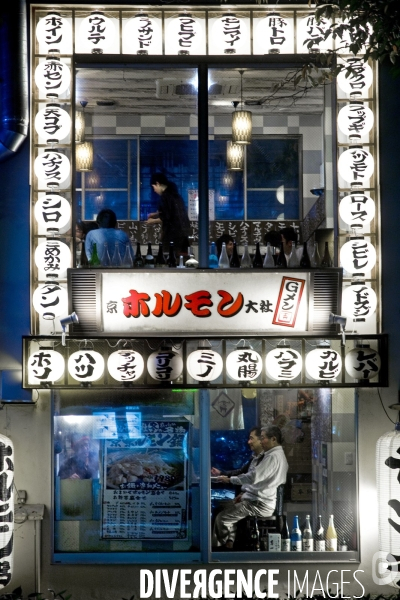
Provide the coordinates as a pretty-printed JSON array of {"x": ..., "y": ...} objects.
[
  {"x": 241, "y": 120},
  {"x": 84, "y": 157},
  {"x": 53, "y": 257},
  {"x": 7, "y": 509},
  {"x": 52, "y": 168},
  {"x": 204, "y": 364},
  {"x": 355, "y": 120},
  {"x": 283, "y": 363},
  {"x": 52, "y": 123},
  {"x": 273, "y": 34},
  {"x": 234, "y": 156},
  {"x": 52, "y": 77},
  {"x": 45, "y": 366},
  {"x": 80, "y": 123},
  {"x": 357, "y": 256},
  {"x": 165, "y": 364},
  {"x": 359, "y": 301},
  {"x": 356, "y": 166},
  {"x": 341, "y": 321},
  {"x": 68, "y": 320},
  {"x": 86, "y": 365},
  {"x": 125, "y": 365},
  {"x": 54, "y": 32},
  {"x": 142, "y": 34},
  {"x": 229, "y": 34},
  {"x": 244, "y": 364},
  {"x": 357, "y": 210},
  {"x": 362, "y": 362},
  {"x": 52, "y": 212},
  {"x": 323, "y": 363},
  {"x": 356, "y": 80},
  {"x": 185, "y": 34},
  {"x": 50, "y": 300},
  {"x": 98, "y": 32}
]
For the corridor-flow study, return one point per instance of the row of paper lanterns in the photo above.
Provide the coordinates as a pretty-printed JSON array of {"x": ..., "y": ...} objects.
[
  {"x": 166, "y": 365},
  {"x": 186, "y": 34}
]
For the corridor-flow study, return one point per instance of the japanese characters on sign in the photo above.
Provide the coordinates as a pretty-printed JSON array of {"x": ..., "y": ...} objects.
[
  {"x": 6, "y": 509},
  {"x": 273, "y": 34},
  {"x": 229, "y": 34},
  {"x": 355, "y": 120},
  {"x": 357, "y": 210},
  {"x": 125, "y": 365},
  {"x": 204, "y": 365},
  {"x": 244, "y": 365},
  {"x": 359, "y": 302},
  {"x": 53, "y": 32},
  {"x": 52, "y": 212},
  {"x": 363, "y": 362},
  {"x": 185, "y": 34},
  {"x": 358, "y": 256},
  {"x": 323, "y": 364},
  {"x": 96, "y": 33},
  {"x": 52, "y": 258},
  {"x": 52, "y": 168},
  {"x": 289, "y": 300},
  {"x": 283, "y": 364},
  {"x": 142, "y": 34},
  {"x": 356, "y": 166},
  {"x": 50, "y": 300},
  {"x": 165, "y": 365},
  {"x": 358, "y": 81},
  {"x": 45, "y": 365},
  {"x": 52, "y": 76},
  {"x": 86, "y": 365},
  {"x": 53, "y": 123},
  {"x": 311, "y": 34}
]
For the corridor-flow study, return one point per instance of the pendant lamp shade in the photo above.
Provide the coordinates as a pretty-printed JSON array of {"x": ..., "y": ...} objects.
[
  {"x": 234, "y": 156},
  {"x": 241, "y": 127},
  {"x": 84, "y": 157}
]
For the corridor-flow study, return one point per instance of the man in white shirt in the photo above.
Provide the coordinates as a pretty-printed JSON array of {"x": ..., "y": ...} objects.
[
  {"x": 258, "y": 493},
  {"x": 106, "y": 234}
]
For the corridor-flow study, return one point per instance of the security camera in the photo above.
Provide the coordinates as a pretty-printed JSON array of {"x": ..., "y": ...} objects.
[
  {"x": 337, "y": 320},
  {"x": 72, "y": 318}
]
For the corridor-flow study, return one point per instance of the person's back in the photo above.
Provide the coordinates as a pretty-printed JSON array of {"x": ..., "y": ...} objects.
[{"x": 106, "y": 234}]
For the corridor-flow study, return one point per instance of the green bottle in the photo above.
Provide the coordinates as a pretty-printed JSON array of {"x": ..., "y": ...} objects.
[{"x": 94, "y": 259}]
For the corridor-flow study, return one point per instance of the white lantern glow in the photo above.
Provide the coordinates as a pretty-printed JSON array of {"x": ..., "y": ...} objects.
[
  {"x": 50, "y": 300},
  {"x": 165, "y": 365},
  {"x": 142, "y": 35},
  {"x": 273, "y": 34},
  {"x": 244, "y": 364},
  {"x": 359, "y": 302},
  {"x": 7, "y": 510},
  {"x": 357, "y": 81},
  {"x": 241, "y": 127},
  {"x": 45, "y": 366},
  {"x": 52, "y": 211},
  {"x": 204, "y": 364},
  {"x": 97, "y": 32},
  {"x": 54, "y": 32},
  {"x": 357, "y": 256},
  {"x": 52, "y": 77},
  {"x": 362, "y": 362},
  {"x": 387, "y": 473},
  {"x": 355, "y": 120},
  {"x": 53, "y": 257},
  {"x": 53, "y": 123},
  {"x": 185, "y": 34},
  {"x": 309, "y": 30},
  {"x": 234, "y": 156},
  {"x": 125, "y": 365},
  {"x": 357, "y": 210},
  {"x": 79, "y": 126},
  {"x": 323, "y": 364},
  {"x": 356, "y": 165},
  {"x": 86, "y": 365},
  {"x": 84, "y": 157},
  {"x": 283, "y": 364},
  {"x": 229, "y": 34},
  {"x": 51, "y": 168}
]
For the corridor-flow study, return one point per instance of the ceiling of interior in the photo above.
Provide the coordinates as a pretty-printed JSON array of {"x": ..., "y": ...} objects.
[{"x": 173, "y": 91}]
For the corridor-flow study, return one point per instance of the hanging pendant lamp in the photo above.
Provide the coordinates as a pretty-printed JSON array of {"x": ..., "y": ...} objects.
[
  {"x": 241, "y": 120},
  {"x": 234, "y": 156},
  {"x": 84, "y": 156}
]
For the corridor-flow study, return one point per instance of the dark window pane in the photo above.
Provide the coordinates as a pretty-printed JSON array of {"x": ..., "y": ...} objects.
[
  {"x": 273, "y": 162},
  {"x": 95, "y": 201},
  {"x": 275, "y": 204},
  {"x": 227, "y": 185}
]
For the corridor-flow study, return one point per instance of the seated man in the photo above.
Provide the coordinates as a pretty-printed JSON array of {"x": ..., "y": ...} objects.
[
  {"x": 106, "y": 234},
  {"x": 254, "y": 443},
  {"x": 258, "y": 497}
]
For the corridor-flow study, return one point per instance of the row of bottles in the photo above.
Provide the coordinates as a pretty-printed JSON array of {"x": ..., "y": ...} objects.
[
  {"x": 306, "y": 541},
  {"x": 270, "y": 261},
  {"x": 131, "y": 260}
]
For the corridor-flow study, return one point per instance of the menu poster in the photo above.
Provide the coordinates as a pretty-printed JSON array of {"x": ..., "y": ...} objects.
[{"x": 145, "y": 491}]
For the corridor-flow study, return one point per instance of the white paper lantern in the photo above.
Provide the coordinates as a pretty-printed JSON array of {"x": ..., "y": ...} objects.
[
  {"x": 165, "y": 365},
  {"x": 51, "y": 168},
  {"x": 204, "y": 364},
  {"x": 357, "y": 210},
  {"x": 323, "y": 364},
  {"x": 50, "y": 300},
  {"x": 125, "y": 365},
  {"x": 52, "y": 211},
  {"x": 356, "y": 165},
  {"x": 53, "y": 257},
  {"x": 308, "y": 29},
  {"x": 362, "y": 362},
  {"x": 45, "y": 366},
  {"x": 355, "y": 120},
  {"x": 185, "y": 34},
  {"x": 359, "y": 302},
  {"x": 229, "y": 34},
  {"x": 283, "y": 364},
  {"x": 387, "y": 480},
  {"x": 53, "y": 123},
  {"x": 54, "y": 32},
  {"x": 53, "y": 76},
  {"x": 244, "y": 364},
  {"x": 357, "y": 256},
  {"x": 142, "y": 35},
  {"x": 86, "y": 365},
  {"x": 234, "y": 156},
  {"x": 241, "y": 127},
  {"x": 97, "y": 32},
  {"x": 358, "y": 81},
  {"x": 273, "y": 34},
  {"x": 7, "y": 466}
]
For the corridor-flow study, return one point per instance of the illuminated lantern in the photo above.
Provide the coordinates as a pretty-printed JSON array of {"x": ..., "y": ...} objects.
[
  {"x": 355, "y": 120},
  {"x": 323, "y": 364},
  {"x": 357, "y": 256},
  {"x": 241, "y": 127},
  {"x": 244, "y": 364},
  {"x": 84, "y": 157},
  {"x": 358, "y": 81},
  {"x": 204, "y": 364},
  {"x": 229, "y": 34},
  {"x": 309, "y": 31},
  {"x": 142, "y": 35},
  {"x": 387, "y": 480},
  {"x": 50, "y": 300},
  {"x": 51, "y": 168},
  {"x": 283, "y": 363},
  {"x": 53, "y": 123},
  {"x": 273, "y": 34},
  {"x": 7, "y": 510},
  {"x": 54, "y": 33},
  {"x": 356, "y": 165},
  {"x": 357, "y": 210},
  {"x": 86, "y": 365},
  {"x": 52, "y": 211},
  {"x": 359, "y": 302},
  {"x": 165, "y": 365},
  {"x": 185, "y": 34},
  {"x": 97, "y": 32},
  {"x": 52, "y": 76},
  {"x": 125, "y": 365},
  {"x": 234, "y": 156},
  {"x": 362, "y": 362},
  {"x": 53, "y": 257},
  {"x": 45, "y": 366}
]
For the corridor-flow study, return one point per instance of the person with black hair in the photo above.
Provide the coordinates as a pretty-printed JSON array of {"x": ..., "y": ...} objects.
[
  {"x": 106, "y": 233},
  {"x": 289, "y": 239},
  {"x": 228, "y": 239},
  {"x": 171, "y": 213}
]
